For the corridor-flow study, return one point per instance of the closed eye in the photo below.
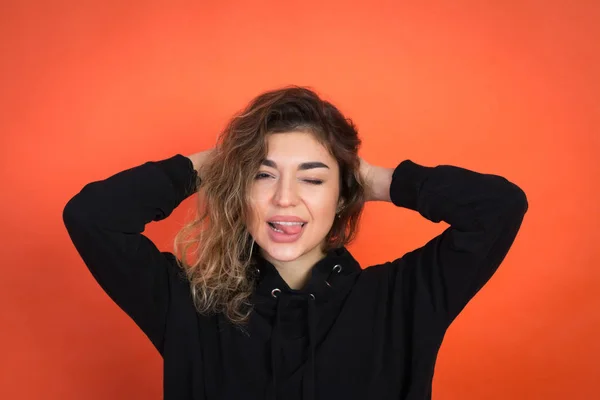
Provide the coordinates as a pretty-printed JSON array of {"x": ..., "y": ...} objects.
[
  {"x": 263, "y": 175},
  {"x": 314, "y": 181}
]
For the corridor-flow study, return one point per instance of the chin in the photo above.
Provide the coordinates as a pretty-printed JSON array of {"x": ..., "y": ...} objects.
[{"x": 283, "y": 253}]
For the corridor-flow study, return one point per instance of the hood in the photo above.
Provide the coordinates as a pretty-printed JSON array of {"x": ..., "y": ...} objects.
[{"x": 300, "y": 316}]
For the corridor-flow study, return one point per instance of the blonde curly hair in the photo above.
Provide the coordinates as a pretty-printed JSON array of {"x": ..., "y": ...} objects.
[{"x": 215, "y": 249}]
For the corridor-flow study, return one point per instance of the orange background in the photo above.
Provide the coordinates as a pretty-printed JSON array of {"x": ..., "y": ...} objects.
[{"x": 505, "y": 87}]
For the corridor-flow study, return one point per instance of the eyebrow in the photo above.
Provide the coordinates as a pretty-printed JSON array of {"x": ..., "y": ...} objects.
[{"x": 301, "y": 167}]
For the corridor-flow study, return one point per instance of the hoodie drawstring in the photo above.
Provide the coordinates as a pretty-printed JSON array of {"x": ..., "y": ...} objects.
[
  {"x": 308, "y": 377},
  {"x": 275, "y": 344},
  {"x": 308, "y": 392}
]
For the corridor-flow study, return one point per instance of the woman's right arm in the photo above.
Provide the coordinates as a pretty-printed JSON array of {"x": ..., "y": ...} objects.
[{"x": 105, "y": 221}]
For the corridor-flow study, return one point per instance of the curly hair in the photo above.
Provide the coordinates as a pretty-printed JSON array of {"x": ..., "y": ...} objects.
[{"x": 215, "y": 249}]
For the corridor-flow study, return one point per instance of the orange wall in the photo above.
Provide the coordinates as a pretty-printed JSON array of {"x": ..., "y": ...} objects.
[{"x": 503, "y": 87}]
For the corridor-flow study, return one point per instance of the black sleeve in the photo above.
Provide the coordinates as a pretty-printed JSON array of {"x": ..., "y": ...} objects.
[
  {"x": 105, "y": 221},
  {"x": 484, "y": 212}
]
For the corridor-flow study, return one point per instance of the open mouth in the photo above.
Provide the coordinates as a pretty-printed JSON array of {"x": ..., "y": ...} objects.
[{"x": 279, "y": 227}]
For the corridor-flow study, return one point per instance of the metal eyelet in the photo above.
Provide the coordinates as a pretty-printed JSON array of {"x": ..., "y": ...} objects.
[
  {"x": 275, "y": 291},
  {"x": 337, "y": 267},
  {"x": 328, "y": 284},
  {"x": 313, "y": 296}
]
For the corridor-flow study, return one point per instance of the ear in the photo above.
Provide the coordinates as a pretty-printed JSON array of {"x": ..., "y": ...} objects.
[{"x": 340, "y": 206}]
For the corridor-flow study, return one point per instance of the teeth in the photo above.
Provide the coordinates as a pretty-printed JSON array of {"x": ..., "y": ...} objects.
[{"x": 288, "y": 223}]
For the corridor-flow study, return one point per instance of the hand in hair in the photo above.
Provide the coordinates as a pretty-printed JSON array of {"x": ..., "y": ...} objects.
[
  {"x": 377, "y": 181},
  {"x": 199, "y": 158}
]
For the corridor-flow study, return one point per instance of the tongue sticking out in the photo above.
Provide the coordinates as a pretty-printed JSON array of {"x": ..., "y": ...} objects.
[{"x": 289, "y": 229}]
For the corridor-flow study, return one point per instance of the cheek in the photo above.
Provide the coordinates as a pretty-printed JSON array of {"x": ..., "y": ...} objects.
[
  {"x": 322, "y": 209},
  {"x": 257, "y": 212}
]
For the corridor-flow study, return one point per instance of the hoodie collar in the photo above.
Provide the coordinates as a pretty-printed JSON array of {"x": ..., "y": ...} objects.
[
  {"x": 337, "y": 261},
  {"x": 296, "y": 313}
]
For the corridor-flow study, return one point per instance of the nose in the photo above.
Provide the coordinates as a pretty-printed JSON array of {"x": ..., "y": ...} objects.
[{"x": 286, "y": 193}]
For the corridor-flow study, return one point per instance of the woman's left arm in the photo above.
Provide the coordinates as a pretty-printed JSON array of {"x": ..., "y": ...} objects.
[{"x": 484, "y": 211}]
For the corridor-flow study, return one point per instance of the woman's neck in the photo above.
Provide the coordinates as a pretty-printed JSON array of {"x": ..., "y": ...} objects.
[{"x": 296, "y": 273}]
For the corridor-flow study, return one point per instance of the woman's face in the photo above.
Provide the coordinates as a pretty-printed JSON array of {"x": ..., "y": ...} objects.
[{"x": 298, "y": 182}]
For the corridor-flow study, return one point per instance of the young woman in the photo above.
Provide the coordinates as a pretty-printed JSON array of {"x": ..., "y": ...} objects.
[{"x": 261, "y": 299}]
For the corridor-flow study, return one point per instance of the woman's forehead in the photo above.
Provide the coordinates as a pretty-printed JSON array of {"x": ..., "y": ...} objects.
[{"x": 295, "y": 148}]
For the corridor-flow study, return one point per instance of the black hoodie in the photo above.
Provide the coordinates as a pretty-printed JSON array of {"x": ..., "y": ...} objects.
[{"x": 351, "y": 333}]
